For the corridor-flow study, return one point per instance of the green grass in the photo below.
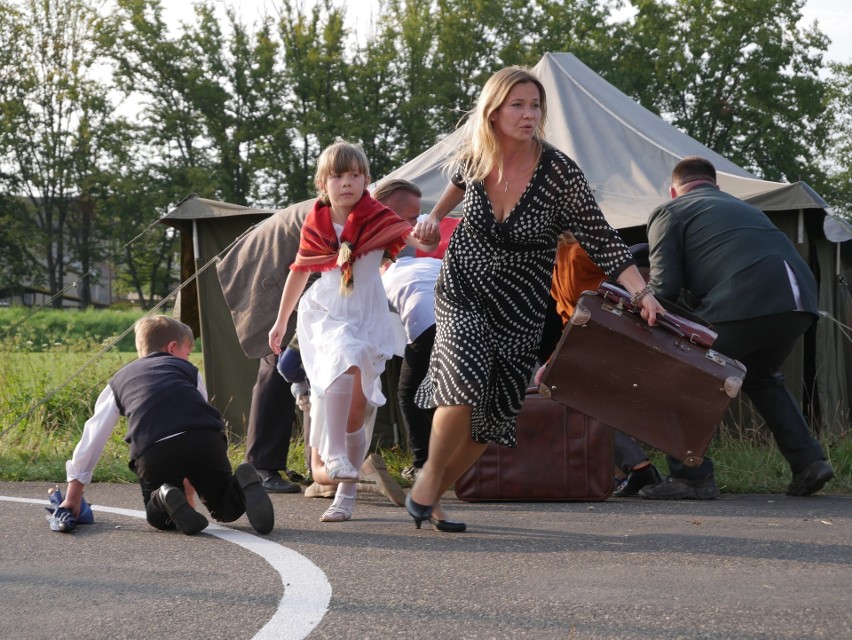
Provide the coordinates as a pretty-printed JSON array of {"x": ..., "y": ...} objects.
[
  {"x": 54, "y": 367},
  {"x": 753, "y": 464}
]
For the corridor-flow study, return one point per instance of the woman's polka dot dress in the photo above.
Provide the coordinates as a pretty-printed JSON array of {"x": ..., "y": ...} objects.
[{"x": 491, "y": 295}]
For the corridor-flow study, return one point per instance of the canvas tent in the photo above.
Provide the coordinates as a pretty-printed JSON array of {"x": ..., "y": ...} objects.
[
  {"x": 207, "y": 229},
  {"x": 627, "y": 154}
]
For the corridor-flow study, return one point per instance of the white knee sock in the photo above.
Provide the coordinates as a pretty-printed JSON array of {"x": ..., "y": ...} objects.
[
  {"x": 338, "y": 398},
  {"x": 356, "y": 450}
]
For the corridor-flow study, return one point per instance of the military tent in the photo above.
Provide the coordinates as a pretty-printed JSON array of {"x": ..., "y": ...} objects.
[{"x": 208, "y": 228}]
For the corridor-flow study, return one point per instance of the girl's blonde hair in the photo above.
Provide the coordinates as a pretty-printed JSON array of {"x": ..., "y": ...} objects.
[
  {"x": 479, "y": 150},
  {"x": 154, "y": 333},
  {"x": 340, "y": 157}
]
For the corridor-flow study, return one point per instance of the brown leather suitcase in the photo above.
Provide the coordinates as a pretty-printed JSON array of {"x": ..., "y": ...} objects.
[
  {"x": 562, "y": 456},
  {"x": 657, "y": 384}
]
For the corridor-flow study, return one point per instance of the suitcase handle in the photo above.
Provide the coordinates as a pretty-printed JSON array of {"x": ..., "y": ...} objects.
[{"x": 671, "y": 322}]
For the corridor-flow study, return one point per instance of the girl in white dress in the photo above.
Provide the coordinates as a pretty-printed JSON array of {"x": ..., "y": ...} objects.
[{"x": 344, "y": 329}]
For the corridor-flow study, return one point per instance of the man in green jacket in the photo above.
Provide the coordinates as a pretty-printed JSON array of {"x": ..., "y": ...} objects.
[{"x": 724, "y": 260}]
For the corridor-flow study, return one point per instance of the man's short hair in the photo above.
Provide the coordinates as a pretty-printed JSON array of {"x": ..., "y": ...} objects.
[
  {"x": 691, "y": 169},
  {"x": 154, "y": 333},
  {"x": 397, "y": 184}
]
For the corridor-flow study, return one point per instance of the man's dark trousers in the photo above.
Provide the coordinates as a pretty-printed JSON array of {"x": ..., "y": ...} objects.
[
  {"x": 270, "y": 424},
  {"x": 762, "y": 345}
]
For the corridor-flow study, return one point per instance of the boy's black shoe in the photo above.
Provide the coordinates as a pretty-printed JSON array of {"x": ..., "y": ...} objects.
[
  {"x": 810, "y": 479},
  {"x": 637, "y": 480},
  {"x": 682, "y": 489},
  {"x": 184, "y": 517},
  {"x": 273, "y": 482},
  {"x": 259, "y": 510}
]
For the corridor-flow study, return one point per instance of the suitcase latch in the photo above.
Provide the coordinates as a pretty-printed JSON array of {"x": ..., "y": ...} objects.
[
  {"x": 715, "y": 357},
  {"x": 614, "y": 310}
]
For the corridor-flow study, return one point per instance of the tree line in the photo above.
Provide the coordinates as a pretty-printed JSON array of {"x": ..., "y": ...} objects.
[{"x": 239, "y": 111}]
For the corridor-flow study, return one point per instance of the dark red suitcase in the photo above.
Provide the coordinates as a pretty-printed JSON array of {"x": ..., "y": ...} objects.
[
  {"x": 657, "y": 384},
  {"x": 562, "y": 456}
]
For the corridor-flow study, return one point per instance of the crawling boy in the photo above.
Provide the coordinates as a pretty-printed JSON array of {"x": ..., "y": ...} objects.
[{"x": 174, "y": 434}]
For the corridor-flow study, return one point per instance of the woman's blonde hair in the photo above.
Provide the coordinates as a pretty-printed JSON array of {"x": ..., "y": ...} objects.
[
  {"x": 340, "y": 157},
  {"x": 480, "y": 151},
  {"x": 154, "y": 333}
]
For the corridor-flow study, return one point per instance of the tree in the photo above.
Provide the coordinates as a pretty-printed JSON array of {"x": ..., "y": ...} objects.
[
  {"x": 740, "y": 76},
  {"x": 389, "y": 85},
  {"x": 46, "y": 72},
  {"x": 312, "y": 89},
  {"x": 232, "y": 71},
  {"x": 127, "y": 198},
  {"x": 837, "y": 164},
  {"x": 17, "y": 262},
  {"x": 92, "y": 169},
  {"x": 199, "y": 131},
  {"x": 466, "y": 54},
  {"x": 168, "y": 83},
  {"x": 581, "y": 27}
]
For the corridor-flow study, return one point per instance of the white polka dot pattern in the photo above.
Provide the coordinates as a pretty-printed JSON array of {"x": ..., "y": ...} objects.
[{"x": 491, "y": 295}]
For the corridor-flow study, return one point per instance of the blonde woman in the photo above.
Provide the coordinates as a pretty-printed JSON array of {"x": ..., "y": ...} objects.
[{"x": 519, "y": 194}]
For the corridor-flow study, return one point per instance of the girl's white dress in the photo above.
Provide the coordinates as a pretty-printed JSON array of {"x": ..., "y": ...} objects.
[{"x": 337, "y": 332}]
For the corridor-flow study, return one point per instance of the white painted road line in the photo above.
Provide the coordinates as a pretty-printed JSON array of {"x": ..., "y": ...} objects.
[{"x": 307, "y": 591}]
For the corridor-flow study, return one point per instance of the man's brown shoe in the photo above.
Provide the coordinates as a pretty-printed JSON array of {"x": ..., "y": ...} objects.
[
  {"x": 317, "y": 490},
  {"x": 376, "y": 479}
]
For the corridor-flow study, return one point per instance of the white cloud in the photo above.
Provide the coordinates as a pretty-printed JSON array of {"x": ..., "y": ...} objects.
[{"x": 834, "y": 19}]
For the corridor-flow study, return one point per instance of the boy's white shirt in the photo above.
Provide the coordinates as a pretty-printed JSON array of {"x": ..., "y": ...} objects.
[{"x": 97, "y": 432}]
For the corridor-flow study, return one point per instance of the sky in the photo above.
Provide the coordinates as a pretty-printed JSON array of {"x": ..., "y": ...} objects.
[{"x": 834, "y": 17}]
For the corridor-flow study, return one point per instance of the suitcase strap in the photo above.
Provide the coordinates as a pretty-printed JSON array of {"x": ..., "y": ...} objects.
[{"x": 671, "y": 322}]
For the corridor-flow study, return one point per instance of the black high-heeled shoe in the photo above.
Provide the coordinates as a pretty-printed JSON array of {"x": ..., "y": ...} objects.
[
  {"x": 448, "y": 526},
  {"x": 419, "y": 512}
]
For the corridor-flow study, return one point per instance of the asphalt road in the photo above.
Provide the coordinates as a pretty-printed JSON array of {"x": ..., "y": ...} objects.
[{"x": 744, "y": 566}]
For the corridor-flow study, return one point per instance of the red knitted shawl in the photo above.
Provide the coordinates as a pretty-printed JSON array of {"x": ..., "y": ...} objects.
[{"x": 370, "y": 226}]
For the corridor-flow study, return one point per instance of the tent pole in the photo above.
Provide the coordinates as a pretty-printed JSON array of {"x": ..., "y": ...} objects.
[{"x": 800, "y": 233}]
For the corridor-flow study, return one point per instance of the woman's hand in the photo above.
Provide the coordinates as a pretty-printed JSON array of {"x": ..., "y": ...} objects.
[
  {"x": 539, "y": 374},
  {"x": 635, "y": 284},
  {"x": 427, "y": 230},
  {"x": 650, "y": 309}
]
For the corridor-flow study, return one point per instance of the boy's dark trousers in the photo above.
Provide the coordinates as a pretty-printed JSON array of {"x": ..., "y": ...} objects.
[{"x": 200, "y": 457}]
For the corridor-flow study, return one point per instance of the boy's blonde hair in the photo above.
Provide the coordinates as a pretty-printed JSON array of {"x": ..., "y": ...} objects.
[
  {"x": 154, "y": 333},
  {"x": 340, "y": 157},
  {"x": 480, "y": 150}
]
